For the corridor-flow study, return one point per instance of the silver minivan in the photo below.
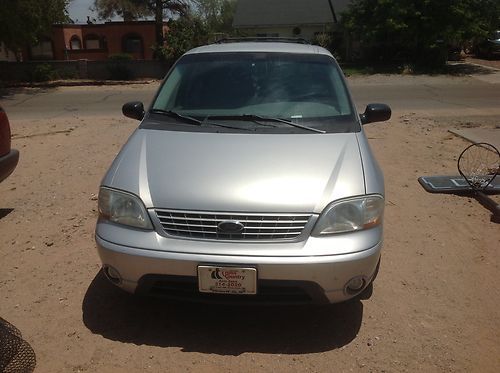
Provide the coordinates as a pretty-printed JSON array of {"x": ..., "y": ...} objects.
[{"x": 249, "y": 179}]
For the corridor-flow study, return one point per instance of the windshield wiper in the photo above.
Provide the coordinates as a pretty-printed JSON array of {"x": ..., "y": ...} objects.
[
  {"x": 176, "y": 115},
  {"x": 193, "y": 120},
  {"x": 255, "y": 118}
]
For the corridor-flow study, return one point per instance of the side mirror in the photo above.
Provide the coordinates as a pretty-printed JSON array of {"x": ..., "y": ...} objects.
[
  {"x": 134, "y": 110},
  {"x": 376, "y": 113}
]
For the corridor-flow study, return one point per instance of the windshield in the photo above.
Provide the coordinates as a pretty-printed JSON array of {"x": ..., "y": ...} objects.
[{"x": 304, "y": 89}]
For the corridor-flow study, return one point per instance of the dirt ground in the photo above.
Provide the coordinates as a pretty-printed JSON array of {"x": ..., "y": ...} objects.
[
  {"x": 435, "y": 305},
  {"x": 495, "y": 63}
]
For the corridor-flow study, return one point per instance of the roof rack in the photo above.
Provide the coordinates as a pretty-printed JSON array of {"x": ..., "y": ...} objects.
[{"x": 270, "y": 39}]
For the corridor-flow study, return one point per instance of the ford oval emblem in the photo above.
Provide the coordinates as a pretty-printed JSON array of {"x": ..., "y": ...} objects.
[{"x": 230, "y": 227}]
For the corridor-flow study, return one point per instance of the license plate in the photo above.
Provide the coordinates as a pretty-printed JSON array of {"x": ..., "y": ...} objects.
[{"x": 227, "y": 280}]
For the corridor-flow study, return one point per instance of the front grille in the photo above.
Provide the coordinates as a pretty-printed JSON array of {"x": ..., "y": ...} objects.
[{"x": 255, "y": 226}]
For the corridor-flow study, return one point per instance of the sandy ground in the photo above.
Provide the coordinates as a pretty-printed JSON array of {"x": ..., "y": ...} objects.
[
  {"x": 435, "y": 305},
  {"x": 494, "y": 63}
]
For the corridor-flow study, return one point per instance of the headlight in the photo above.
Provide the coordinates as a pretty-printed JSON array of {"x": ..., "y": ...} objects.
[
  {"x": 123, "y": 208},
  {"x": 350, "y": 215}
]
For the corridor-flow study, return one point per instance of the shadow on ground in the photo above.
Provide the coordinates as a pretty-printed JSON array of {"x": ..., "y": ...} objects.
[
  {"x": 5, "y": 212},
  {"x": 7, "y": 93},
  {"x": 467, "y": 69},
  {"x": 216, "y": 329}
]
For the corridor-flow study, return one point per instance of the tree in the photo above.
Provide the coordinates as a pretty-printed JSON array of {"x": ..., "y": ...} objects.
[
  {"x": 133, "y": 9},
  {"x": 184, "y": 34},
  {"x": 205, "y": 18},
  {"x": 24, "y": 22},
  {"x": 217, "y": 15},
  {"x": 418, "y": 31},
  {"x": 198, "y": 18},
  {"x": 226, "y": 16},
  {"x": 168, "y": 7},
  {"x": 129, "y": 10}
]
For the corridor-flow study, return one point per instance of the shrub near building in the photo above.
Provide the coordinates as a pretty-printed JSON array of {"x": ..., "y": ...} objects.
[{"x": 118, "y": 67}]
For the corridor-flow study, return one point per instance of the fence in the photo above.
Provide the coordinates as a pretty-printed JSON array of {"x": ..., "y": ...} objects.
[{"x": 81, "y": 69}]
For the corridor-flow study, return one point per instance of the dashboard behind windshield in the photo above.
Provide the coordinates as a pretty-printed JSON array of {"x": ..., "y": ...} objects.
[{"x": 304, "y": 88}]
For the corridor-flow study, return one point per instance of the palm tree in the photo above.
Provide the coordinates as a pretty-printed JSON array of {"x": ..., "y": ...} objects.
[{"x": 131, "y": 10}]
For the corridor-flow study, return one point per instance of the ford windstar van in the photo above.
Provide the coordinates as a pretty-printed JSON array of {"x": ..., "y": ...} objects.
[{"x": 249, "y": 179}]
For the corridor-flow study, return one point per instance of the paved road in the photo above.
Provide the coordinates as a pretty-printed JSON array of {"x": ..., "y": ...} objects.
[
  {"x": 446, "y": 95},
  {"x": 68, "y": 101}
]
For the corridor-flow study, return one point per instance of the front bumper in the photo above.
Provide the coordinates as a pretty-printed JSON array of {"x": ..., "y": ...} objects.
[
  {"x": 320, "y": 278},
  {"x": 8, "y": 163}
]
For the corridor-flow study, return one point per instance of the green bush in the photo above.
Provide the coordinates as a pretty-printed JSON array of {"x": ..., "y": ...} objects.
[
  {"x": 42, "y": 73},
  {"x": 323, "y": 39},
  {"x": 416, "y": 32},
  {"x": 118, "y": 68},
  {"x": 184, "y": 34},
  {"x": 67, "y": 73}
]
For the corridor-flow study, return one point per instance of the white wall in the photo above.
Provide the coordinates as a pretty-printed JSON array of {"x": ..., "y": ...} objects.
[{"x": 307, "y": 32}]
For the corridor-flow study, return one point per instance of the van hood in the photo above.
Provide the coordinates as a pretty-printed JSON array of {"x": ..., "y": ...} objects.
[{"x": 233, "y": 172}]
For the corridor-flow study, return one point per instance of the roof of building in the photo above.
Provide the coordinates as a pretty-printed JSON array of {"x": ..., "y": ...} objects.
[{"x": 262, "y": 13}]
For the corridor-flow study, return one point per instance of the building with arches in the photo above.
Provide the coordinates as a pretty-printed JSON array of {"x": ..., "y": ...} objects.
[{"x": 96, "y": 41}]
